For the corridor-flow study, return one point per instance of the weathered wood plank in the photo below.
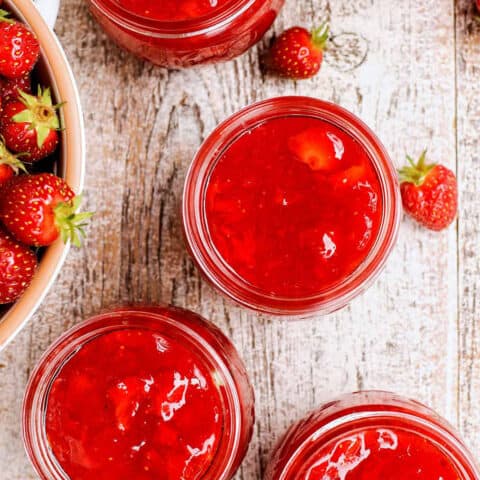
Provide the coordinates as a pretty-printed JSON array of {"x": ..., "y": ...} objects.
[
  {"x": 468, "y": 151},
  {"x": 394, "y": 65}
]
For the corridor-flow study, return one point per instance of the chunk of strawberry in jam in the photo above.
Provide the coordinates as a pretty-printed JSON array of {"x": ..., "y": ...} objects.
[
  {"x": 379, "y": 454},
  {"x": 318, "y": 147},
  {"x": 350, "y": 177},
  {"x": 346, "y": 455},
  {"x": 126, "y": 396}
]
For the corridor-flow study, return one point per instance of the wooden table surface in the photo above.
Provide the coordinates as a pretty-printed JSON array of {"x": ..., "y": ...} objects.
[{"x": 410, "y": 69}]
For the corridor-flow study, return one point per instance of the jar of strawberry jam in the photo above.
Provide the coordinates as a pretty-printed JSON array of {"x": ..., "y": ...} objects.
[
  {"x": 139, "y": 393},
  {"x": 180, "y": 33},
  {"x": 291, "y": 206},
  {"x": 372, "y": 436}
]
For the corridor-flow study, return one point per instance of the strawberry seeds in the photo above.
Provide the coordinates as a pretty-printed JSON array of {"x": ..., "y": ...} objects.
[{"x": 29, "y": 133}]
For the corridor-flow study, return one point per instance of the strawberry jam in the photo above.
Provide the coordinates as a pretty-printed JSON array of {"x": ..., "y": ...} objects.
[
  {"x": 299, "y": 216},
  {"x": 141, "y": 397},
  {"x": 372, "y": 436},
  {"x": 172, "y": 10},
  {"x": 380, "y": 453},
  {"x": 293, "y": 205},
  {"x": 181, "y": 33},
  {"x": 146, "y": 390}
]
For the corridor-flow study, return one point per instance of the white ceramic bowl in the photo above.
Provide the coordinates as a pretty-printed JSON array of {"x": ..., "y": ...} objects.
[
  {"x": 48, "y": 9},
  {"x": 53, "y": 69}
]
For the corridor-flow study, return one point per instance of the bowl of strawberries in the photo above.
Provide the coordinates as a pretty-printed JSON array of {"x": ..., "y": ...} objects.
[{"x": 41, "y": 163}]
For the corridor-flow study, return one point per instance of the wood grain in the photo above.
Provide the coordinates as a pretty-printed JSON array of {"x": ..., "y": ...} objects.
[
  {"x": 468, "y": 157},
  {"x": 409, "y": 69}
]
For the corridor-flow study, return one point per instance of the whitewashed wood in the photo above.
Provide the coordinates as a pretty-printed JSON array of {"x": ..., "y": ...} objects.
[
  {"x": 412, "y": 332},
  {"x": 468, "y": 157}
]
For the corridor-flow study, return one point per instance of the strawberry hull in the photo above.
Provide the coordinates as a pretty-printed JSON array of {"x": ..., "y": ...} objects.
[
  {"x": 200, "y": 36},
  {"x": 371, "y": 435},
  {"x": 291, "y": 207},
  {"x": 148, "y": 393}
]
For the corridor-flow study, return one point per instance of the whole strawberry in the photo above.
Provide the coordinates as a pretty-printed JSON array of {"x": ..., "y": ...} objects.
[
  {"x": 30, "y": 125},
  {"x": 429, "y": 193},
  {"x": 298, "y": 53},
  {"x": 19, "y": 48},
  {"x": 10, "y": 165},
  {"x": 17, "y": 267},
  {"x": 37, "y": 209},
  {"x": 10, "y": 88}
]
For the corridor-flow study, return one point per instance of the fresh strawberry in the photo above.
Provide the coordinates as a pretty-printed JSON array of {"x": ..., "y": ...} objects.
[
  {"x": 349, "y": 177},
  {"x": 10, "y": 88},
  {"x": 19, "y": 48},
  {"x": 319, "y": 148},
  {"x": 429, "y": 193},
  {"x": 30, "y": 125},
  {"x": 10, "y": 165},
  {"x": 17, "y": 266},
  {"x": 298, "y": 53},
  {"x": 37, "y": 209}
]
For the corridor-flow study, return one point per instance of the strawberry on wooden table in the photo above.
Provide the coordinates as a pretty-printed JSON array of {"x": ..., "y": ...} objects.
[
  {"x": 30, "y": 125},
  {"x": 298, "y": 53},
  {"x": 17, "y": 267},
  {"x": 37, "y": 209},
  {"x": 429, "y": 193},
  {"x": 19, "y": 47}
]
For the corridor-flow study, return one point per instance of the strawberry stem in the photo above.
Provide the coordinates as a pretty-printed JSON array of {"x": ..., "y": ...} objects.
[
  {"x": 8, "y": 158},
  {"x": 416, "y": 172},
  {"x": 40, "y": 113},
  {"x": 69, "y": 223},
  {"x": 321, "y": 35},
  {"x": 4, "y": 16}
]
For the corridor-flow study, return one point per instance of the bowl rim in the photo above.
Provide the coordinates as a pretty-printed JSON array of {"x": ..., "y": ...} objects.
[{"x": 72, "y": 167}]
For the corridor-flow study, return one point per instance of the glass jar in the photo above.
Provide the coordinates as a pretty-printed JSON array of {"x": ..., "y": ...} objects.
[
  {"x": 224, "y": 34},
  {"x": 371, "y": 435},
  {"x": 76, "y": 403},
  {"x": 240, "y": 127}
]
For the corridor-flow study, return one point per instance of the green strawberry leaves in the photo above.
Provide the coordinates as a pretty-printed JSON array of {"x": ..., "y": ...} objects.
[
  {"x": 71, "y": 224},
  {"x": 4, "y": 16},
  {"x": 40, "y": 113},
  {"x": 321, "y": 35},
  {"x": 8, "y": 158},
  {"x": 416, "y": 172}
]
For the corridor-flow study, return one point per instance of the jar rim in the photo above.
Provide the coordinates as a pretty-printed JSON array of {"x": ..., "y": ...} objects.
[
  {"x": 173, "y": 29},
  {"x": 61, "y": 351},
  {"x": 196, "y": 229},
  {"x": 436, "y": 432}
]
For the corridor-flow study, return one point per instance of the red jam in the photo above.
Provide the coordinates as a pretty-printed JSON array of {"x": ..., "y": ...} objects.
[
  {"x": 291, "y": 206},
  {"x": 142, "y": 393},
  {"x": 294, "y": 206},
  {"x": 372, "y": 436},
  {"x": 146, "y": 391},
  {"x": 181, "y": 33},
  {"x": 379, "y": 454},
  {"x": 172, "y": 10}
]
